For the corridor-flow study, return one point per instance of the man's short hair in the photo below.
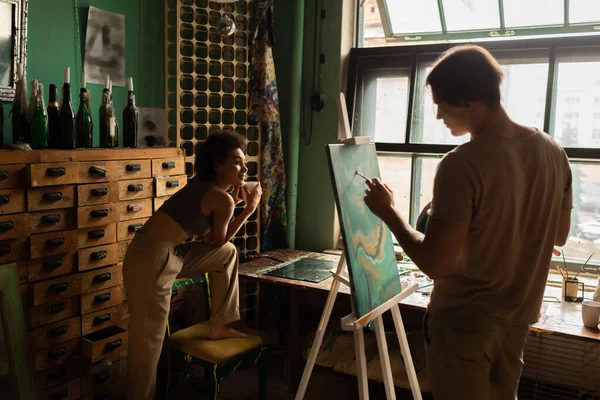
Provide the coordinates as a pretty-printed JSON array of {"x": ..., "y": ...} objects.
[{"x": 464, "y": 74}]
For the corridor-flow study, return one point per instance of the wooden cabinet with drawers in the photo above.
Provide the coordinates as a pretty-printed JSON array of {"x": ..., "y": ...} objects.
[{"x": 66, "y": 219}]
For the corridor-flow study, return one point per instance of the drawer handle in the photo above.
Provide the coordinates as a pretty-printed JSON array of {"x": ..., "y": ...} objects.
[
  {"x": 4, "y": 249},
  {"x": 59, "y": 287},
  {"x": 97, "y": 171},
  {"x": 134, "y": 207},
  {"x": 60, "y": 394},
  {"x": 96, "y": 234},
  {"x": 55, "y": 308},
  {"x": 99, "y": 192},
  {"x": 98, "y": 255},
  {"x": 52, "y": 196},
  {"x": 133, "y": 167},
  {"x": 168, "y": 165},
  {"x": 57, "y": 352},
  {"x": 56, "y": 373},
  {"x": 135, "y": 188},
  {"x": 102, "y": 394},
  {"x": 6, "y": 226},
  {"x": 134, "y": 227},
  {"x": 56, "y": 171},
  {"x": 4, "y": 199},
  {"x": 172, "y": 184},
  {"x": 102, "y": 298},
  {"x": 102, "y": 277},
  {"x": 100, "y": 319},
  {"x": 61, "y": 330},
  {"x": 51, "y": 219},
  {"x": 55, "y": 263},
  {"x": 3, "y": 175},
  {"x": 102, "y": 376},
  {"x": 113, "y": 345},
  {"x": 99, "y": 213},
  {"x": 56, "y": 242}
]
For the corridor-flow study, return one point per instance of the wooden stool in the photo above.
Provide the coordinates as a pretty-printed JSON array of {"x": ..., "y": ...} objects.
[{"x": 221, "y": 358}]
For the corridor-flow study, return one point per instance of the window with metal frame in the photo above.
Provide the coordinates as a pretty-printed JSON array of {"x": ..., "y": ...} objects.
[
  {"x": 396, "y": 22},
  {"x": 552, "y": 84}
]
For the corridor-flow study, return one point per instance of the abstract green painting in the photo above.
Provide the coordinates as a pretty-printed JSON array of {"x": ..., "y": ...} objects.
[{"x": 368, "y": 244}]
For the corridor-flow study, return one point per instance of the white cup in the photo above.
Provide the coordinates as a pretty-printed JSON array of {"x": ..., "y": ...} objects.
[
  {"x": 590, "y": 313},
  {"x": 250, "y": 185}
]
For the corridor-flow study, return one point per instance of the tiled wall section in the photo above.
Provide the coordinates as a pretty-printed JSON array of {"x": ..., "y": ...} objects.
[{"x": 207, "y": 85}]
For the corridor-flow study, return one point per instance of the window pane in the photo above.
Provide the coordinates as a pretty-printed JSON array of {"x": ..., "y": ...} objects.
[
  {"x": 533, "y": 12},
  {"x": 584, "y": 11},
  {"x": 524, "y": 92},
  {"x": 577, "y": 114},
  {"x": 372, "y": 33},
  {"x": 396, "y": 172},
  {"x": 463, "y": 15},
  {"x": 409, "y": 16},
  {"x": 584, "y": 237},
  {"x": 425, "y": 173},
  {"x": 391, "y": 109}
]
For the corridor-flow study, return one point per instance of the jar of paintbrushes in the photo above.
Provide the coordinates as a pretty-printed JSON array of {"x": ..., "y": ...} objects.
[{"x": 571, "y": 287}]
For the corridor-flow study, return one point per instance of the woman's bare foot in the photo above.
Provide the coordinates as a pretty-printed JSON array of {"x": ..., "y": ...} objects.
[{"x": 224, "y": 332}]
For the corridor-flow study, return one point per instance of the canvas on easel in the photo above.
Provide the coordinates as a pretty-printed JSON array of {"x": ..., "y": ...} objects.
[{"x": 368, "y": 266}]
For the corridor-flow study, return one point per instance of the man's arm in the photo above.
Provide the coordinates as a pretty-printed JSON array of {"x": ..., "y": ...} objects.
[{"x": 436, "y": 253}]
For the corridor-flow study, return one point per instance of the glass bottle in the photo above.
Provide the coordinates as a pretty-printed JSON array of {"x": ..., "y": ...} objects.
[
  {"x": 20, "y": 125},
  {"x": 38, "y": 119},
  {"x": 67, "y": 116},
  {"x": 130, "y": 119},
  {"x": 54, "y": 133},
  {"x": 83, "y": 121}
]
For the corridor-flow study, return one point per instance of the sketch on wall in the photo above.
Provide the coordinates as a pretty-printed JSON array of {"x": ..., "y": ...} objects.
[
  {"x": 105, "y": 47},
  {"x": 152, "y": 127}
]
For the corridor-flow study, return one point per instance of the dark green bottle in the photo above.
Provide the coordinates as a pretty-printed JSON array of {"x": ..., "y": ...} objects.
[
  {"x": 54, "y": 133},
  {"x": 20, "y": 125},
  {"x": 83, "y": 121},
  {"x": 130, "y": 119},
  {"x": 38, "y": 119}
]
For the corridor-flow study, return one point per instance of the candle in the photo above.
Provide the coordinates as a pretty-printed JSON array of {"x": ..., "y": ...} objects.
[
  {"x": 130, "y": 84},
  {"x": 67, "y": 74},
  {"x": 110, "y": 87},
  {"x": 83, "y": 79},
  {"x": 107, "y": 81}
]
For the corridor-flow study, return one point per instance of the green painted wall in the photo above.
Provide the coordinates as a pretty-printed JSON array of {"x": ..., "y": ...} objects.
[
  {"x": 316, "y": 210},
  {"x": 51, "y": 46}
]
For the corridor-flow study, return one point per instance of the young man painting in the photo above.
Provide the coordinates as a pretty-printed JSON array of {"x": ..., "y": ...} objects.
[{"x": 501, "y": 202}]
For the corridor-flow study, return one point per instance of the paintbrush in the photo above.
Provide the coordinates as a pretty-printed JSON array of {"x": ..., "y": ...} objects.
[
  {"x": 583, "y": 266},
  {"x": 565, "y": 265},
  {"x": 361, "y": 175}
]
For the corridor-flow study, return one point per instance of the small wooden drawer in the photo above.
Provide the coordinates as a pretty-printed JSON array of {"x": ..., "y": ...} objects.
[
  {"x": 56, "y": 355},
  {"x": 100, "y": 319},
  {"x": 117, "y": 391},
  {"x": 103, "y": 343},
  {"x": 51, "y": 266},
  {"x": 101, "y": 379},
  {"x": 101, "y": 299},
  {"x": 122, "y": 250},
  {"x": 133, "y": 169},
  {"x": 66, "y": 391},
  {"x": 98, "y": 215},
  {"x": 61, "y": 374},
  {"x": 14, "y": 226},
  {"x": 52, "y": 220},
  {"x": 56, "y": 333},
  {"x": 159, "y": 201},
  {"x": 101, "y": 279},
  {"x": 50, "y": 198},
  {"x": 97, "y": 193},
  {"x": 135, "y": 209},
  {"x": 168, "y": 166},
  {"x": 52, "y": 174},
  {"x": 56, "y": 289},
  {"x": 53, "y": 243},
  {"x": 12, "y": 201},
  {"x": 136, "y": 189},
  {"x": 53, "y": 311},
  {"x": 126, "y": 230},
  {"x": 97, "y": 235},
  {"x": 96, "y": 257},
  {"x": 97, "y": 171},
  {"x": 14, "y": 250},
  {"x": 168, "y": 185},
  {"x": 13, "y": 176}
]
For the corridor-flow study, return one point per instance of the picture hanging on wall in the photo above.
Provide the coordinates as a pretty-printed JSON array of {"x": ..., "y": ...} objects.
[
  {"x": 105, "y": 47},
  {"x": 152, "y": 127}
]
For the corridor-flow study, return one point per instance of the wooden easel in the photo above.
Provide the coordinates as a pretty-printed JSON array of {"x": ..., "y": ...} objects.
[{"x": 356, "y": 325}]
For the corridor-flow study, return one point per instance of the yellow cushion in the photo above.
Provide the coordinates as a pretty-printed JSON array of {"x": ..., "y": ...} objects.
[{"x": 193, "y": 341}]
